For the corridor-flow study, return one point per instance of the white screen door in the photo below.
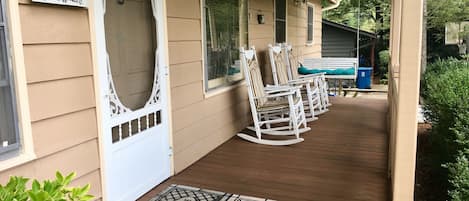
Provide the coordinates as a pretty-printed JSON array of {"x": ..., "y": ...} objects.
[{"x": 131, "y": 45}]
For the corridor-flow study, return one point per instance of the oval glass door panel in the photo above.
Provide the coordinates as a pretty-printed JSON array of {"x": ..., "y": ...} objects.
[{"x": 131, "y": 45}]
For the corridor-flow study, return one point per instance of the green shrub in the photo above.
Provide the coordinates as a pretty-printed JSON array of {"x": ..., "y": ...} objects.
[
  {"x": 445, "y": 89},
  {"x": 459, "y": 178},
  {"x": 383, "y": 63},
  {"x": 54, "y": 190}
]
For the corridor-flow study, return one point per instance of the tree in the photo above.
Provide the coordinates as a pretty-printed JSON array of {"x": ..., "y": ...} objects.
[
  {"x": 374, "y": 14},
  {"x": 375, "y": 17},
  {"x": 442, "y": 12}
]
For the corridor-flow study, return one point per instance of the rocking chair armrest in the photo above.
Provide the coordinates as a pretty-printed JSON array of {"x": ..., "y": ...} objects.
[
  {"x": 312, "y": 75},
  {"x": 283, "y": 88},
  {"x": 271, "y": 87},
  {"x": 301, "y": 81},
  {"x": 284, "y": 94}
]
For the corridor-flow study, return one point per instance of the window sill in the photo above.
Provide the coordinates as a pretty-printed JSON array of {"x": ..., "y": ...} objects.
[
  {"x": 220, "y": 90},
  {"x": 309, "y": 44},
  {"x": 15, "y": 160}
]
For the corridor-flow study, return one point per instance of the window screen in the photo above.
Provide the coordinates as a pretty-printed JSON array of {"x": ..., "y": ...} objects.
[
  {"x": 310, "y": 24},
  {"x": 226, "y": 30},
  {"x": 8, "y": 128},
  {"x": 280, "y": 21}
]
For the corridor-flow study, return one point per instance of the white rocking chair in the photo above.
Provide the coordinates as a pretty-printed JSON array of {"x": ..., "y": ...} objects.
[
  {"x": 292, "y": 68},
  {"x": 275, "y": 110},
  {"x": 310, "y": 86}
]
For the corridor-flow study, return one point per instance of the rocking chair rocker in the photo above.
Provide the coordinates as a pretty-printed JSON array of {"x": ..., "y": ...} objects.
[{"x": 275, "y": 110}]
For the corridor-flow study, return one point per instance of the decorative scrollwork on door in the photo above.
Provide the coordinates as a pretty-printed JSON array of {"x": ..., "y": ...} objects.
[
  {"x": 132, "y": 48},
  {"x": 117, "y": 107}
]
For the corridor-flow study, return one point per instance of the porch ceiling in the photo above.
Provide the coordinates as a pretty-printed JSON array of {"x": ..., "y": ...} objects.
[{"x": 343, "y": 157}]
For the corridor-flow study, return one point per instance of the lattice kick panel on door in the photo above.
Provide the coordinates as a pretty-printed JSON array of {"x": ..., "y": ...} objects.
[{"x": 135, "y": 126}]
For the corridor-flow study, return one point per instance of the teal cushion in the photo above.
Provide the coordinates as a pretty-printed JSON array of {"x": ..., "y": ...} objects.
[
  {"x": 329, "y": 71},
  {"x": 232, "y": 71}
]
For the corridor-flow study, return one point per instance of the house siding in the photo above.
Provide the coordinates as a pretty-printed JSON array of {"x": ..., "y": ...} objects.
[
  {"x": 58, "y": 66},
  {"x": 61, "y": 91},
  {"x": 201, "y": 121},
  {"x": 261, "y": 35},
  {"x": 297, "y": 29},
  {"x": 338, "y": 43}
]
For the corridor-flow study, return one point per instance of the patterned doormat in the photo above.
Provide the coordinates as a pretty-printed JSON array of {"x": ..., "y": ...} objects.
[{"x": 187, "y": 193}]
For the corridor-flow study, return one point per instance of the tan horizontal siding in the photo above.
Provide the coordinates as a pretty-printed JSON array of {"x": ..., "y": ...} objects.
[
  {"x": 48, "y": 24},
  {"x": 297, "y": 30},
  {"x": 187, "y": 95},
  {"x": 50, "y": 99},
  {"x": 185, "y": 52},
  {"x": 208, "y": 107},
  {"x": 204, "y": 127},
  {"x": 183, "y": 8},
  {"x": 262, "y": 43},
  {"x": 57, "y": 61},
  {"x": 180, "y": 29},
  {"x": 260, "y": 31},
  {"x": 56, "y": 134},
  {"x": 92, "y": 178},
  {"x": 81, "y": 159},
  {"x": 58, "y": 66},
  {"x": 183, "y": 74},
  {"x": 265, "y": 5},
  {"x": 192, "y": 110},
  {"x": 261, "y": 35}
]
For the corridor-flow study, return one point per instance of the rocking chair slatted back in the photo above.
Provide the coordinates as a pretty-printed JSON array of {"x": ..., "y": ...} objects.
[
  {"x": 277, "y": 60},
  {"x": 292, "y": 63},
  {"x": 253, "y": 76}
]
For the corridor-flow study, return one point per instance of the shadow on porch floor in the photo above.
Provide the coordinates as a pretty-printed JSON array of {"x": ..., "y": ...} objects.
[{"x": 343, "y": 157}]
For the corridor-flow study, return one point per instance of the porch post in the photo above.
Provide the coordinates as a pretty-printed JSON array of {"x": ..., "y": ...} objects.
[{"x": 408, "y": 42}]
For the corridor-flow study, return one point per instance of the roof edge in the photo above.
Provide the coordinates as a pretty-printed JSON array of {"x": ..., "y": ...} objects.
[{"x": 348, "y": 28}]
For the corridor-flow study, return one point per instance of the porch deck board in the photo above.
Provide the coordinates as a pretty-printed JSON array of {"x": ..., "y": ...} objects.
[{"x": 343, "y": 157}]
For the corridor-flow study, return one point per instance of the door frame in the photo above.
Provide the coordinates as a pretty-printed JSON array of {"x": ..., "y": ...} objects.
[{"x": 101, "y": 86}]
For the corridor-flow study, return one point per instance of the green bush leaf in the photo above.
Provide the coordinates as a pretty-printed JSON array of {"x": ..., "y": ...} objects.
[
  {"x": 54, "y": 190},
  {"x": 445, "y": 89}
]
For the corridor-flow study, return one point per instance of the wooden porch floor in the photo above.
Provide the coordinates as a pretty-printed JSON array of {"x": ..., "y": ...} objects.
[{"x": 343, "y": 157}]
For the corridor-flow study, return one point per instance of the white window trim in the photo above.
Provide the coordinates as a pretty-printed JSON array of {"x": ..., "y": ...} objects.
[
  {"x": 26, "y": 152},
  {"x": 286, "y": 21},
  {"x": 222, "y": 88},
  {"x": 312, "y": 42}
]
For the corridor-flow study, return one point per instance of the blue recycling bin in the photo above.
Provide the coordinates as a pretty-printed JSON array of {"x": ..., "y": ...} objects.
[{"x": 364, "y": 77}]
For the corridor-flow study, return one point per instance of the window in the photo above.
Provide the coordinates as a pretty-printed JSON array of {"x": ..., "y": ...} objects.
[
  {"x": 310, "y": 24},
  {"x": 226, "y": 30},
  {"x": 280, "y": 21},
  {"x": 9, "y": 138}
]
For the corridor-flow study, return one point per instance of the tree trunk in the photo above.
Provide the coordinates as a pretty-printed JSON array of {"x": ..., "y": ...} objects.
[{"x": 467, "y": 46}]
